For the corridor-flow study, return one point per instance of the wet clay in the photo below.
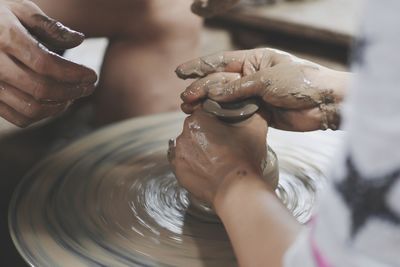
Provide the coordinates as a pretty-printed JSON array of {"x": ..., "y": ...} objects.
[
  {"x": 231, "y": 112},
  {"x": 283, "y": 81},
  {"x": 55, "y": 34},
  {"x": 111, "y": 199},
  {"x": 209, "y": 8}
]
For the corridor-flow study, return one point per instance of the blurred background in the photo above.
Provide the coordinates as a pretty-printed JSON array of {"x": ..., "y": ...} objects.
[{"x": 318, "y": 30}]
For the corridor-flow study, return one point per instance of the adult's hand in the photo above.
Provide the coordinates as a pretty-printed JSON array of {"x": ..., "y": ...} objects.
[
  {"x": 296, "y": 94},
  {"x": 210, "y": 156},
  {"x": 209, "y": 8},
  {"x": 36, "y": 83}
]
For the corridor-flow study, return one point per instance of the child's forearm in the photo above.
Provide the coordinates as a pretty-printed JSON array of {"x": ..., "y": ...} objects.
[{"x": 260, "y": 228}]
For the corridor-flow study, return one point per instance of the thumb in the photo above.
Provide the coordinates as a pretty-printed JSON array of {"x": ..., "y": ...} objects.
[
  {"x": 248, "y": 86},
  {"x": 46, "y": 29}
]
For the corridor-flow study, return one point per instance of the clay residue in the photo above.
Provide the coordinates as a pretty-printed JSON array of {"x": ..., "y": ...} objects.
[
  {"x": 55, "y": 34},
  {"x": 111, "y": 199},
  {"x": 330, "y": 116},
  {"x": 209, "y": 8},
  {"x": 231, "y": 112}
]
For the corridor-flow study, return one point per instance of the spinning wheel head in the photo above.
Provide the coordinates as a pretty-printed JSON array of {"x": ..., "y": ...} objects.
[{"x": 110, "y": 199}]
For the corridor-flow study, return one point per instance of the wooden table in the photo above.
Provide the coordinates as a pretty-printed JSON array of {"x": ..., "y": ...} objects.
[{"x": 334, "y": 21}]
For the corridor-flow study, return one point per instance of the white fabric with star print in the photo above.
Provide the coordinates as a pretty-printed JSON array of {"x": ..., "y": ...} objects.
[{"x": 357, "y": 223}]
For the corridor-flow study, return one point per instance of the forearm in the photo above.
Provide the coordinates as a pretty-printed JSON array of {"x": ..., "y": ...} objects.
[{"x": 259, "y": 226}]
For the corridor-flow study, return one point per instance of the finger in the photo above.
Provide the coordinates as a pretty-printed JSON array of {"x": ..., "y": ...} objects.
[
  {"x": 199, "y": 89},
  {"x": 312, "y": 119},
  {"x": 190, "y": 108},
  {"x": 40, "y": 87},
  {"x": 28, "y": 106},
  {"x": 46, "y": 29},
  {"x": 13, "y": 116},
  {"x": 249, "y": 86},
  {"x": 296, "y": 120},
  {"x": 42, "y": 61},
  {"x": 231, "y": 61},
  {"x": 257, "y": 60}
]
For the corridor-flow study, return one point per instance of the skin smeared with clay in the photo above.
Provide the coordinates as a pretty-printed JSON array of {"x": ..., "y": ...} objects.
[
  {"x": 295, "y": 94},
  {"x": 235, "y": 115},
  {"x": 217, "y": 152},
  {"x": 36, "y": 83},
  {"x": 209, "y": 8},
  {"x": 55, "y": 34}
]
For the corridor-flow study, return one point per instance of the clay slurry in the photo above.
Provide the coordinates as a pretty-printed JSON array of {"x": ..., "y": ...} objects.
[{"x": 231, "y": 112}]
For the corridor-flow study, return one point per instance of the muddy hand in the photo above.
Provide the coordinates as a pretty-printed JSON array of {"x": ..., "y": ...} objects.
[
  {"x": 209, "y": 8},
  {"x": 296, "y": 94},
  {"x": 35, "y": 83},
  {"x": 208, "y": 151}
]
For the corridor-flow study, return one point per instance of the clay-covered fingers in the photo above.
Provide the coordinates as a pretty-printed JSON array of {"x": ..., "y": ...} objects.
[
  {"x": 198, "y": 90},
  {"x": 13, "y": 116},
  {"x": 322, "y": 117},
  {"x": 46, "y": 29},
  {"x": 282, "y": 86},
  {"x": 28, "y": 107},
  {"x": 17, "y": 42},
  {"x": 245, "y": 62},
  {"x": 239, "y": 89},
  {"x": 41, "y": 87},
  {"x": 39, "y": 59},
  {"x": 220, "y": 62},
  {"x": 190, "y": 108}
]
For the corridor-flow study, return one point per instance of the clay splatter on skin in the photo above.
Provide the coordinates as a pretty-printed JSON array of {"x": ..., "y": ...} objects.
[
  {"x": 330, "y": 116},
  {"x": 285, "y": 83}
]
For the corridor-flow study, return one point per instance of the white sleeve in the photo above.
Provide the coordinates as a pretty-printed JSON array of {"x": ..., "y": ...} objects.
[{"x": 357, "y": 222}]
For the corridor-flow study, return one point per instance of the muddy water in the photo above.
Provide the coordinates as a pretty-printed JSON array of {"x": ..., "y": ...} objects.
[{"x": 110, "y": 199}]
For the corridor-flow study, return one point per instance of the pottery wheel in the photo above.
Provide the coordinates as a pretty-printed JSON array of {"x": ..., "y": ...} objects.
[{"x": 110, "y": 199}]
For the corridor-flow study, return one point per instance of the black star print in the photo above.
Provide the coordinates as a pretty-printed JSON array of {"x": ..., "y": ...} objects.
[{"x": 366, "y": 197}]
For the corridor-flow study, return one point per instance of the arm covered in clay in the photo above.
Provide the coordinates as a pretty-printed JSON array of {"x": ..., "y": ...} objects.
[
  {"x": 295, "y": 94},
  {"x": 221, "y": 164}
]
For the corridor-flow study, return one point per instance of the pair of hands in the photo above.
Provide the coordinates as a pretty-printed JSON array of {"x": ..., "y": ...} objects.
[
  {"x": 296, "y": 94},
  {"x": 36, "y": 83}
]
